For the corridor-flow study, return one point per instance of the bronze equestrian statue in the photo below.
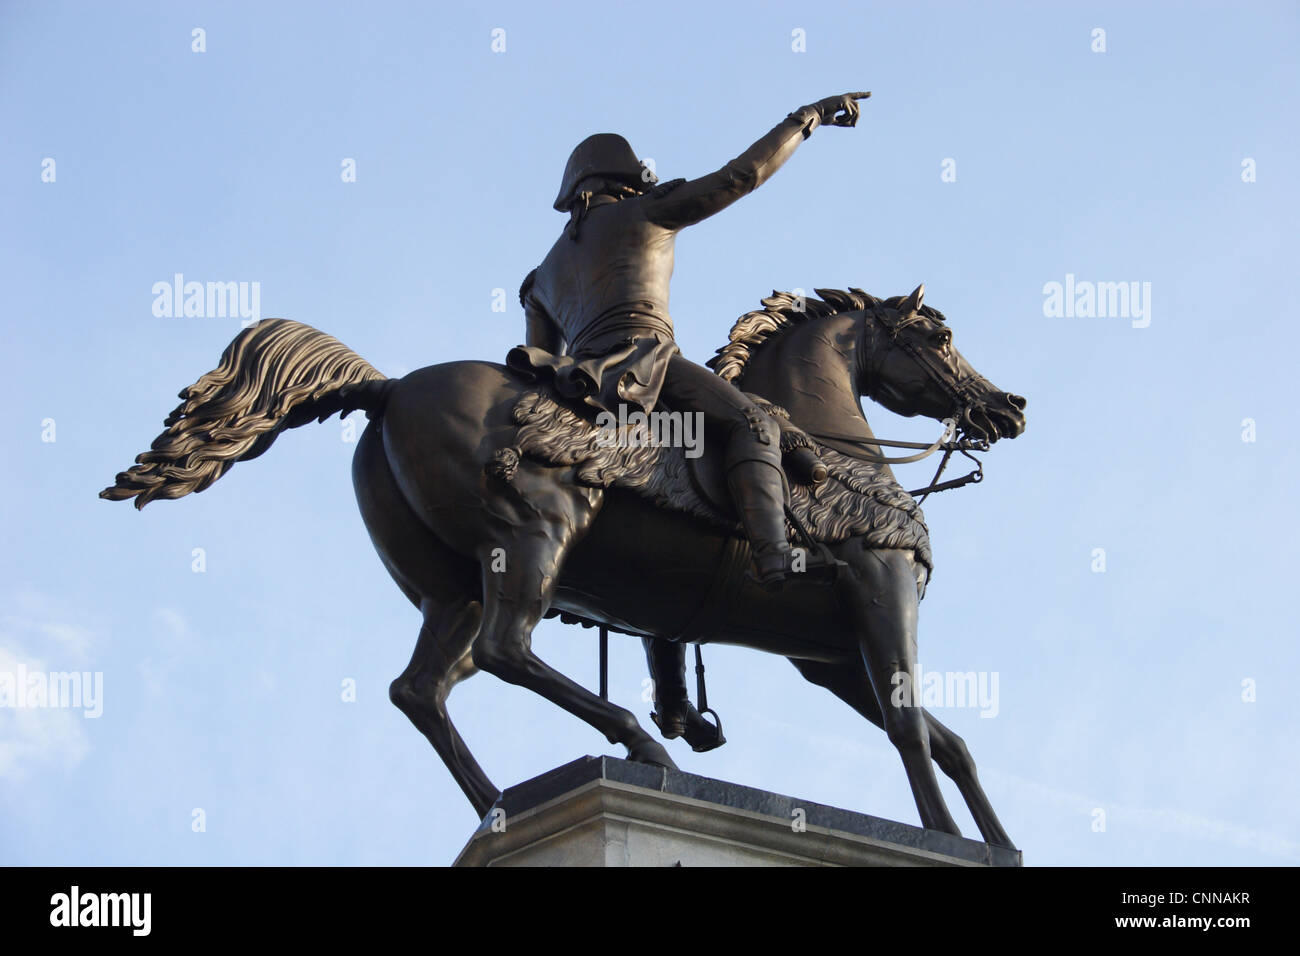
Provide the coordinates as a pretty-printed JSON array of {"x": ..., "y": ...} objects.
[{"x": 492, "y": 503}]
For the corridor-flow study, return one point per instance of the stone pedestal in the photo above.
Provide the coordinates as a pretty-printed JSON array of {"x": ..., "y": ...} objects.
[{"x": 602, "y": 811}]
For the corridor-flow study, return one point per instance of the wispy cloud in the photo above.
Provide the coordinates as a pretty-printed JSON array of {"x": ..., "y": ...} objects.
[
  {"x": 176, "y": 634},
  {"x": 1168, "y": 820},
  {"x": 32, "y": 614},
  {"x": 1161, "y": 819},
  {"x": 37, "y": 636}
]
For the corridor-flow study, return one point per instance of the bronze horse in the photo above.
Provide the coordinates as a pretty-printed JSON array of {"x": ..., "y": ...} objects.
[{"x": 485, "y": 557}]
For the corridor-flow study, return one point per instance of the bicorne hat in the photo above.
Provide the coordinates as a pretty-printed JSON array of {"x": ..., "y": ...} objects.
[{"x": 604, "y": 154}]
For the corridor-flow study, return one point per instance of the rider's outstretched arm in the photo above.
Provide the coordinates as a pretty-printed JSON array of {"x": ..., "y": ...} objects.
[{"x": 700, "y": 198}]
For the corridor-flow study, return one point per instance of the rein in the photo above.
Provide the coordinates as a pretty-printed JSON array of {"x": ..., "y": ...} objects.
[{"x": 963, "y": 445}]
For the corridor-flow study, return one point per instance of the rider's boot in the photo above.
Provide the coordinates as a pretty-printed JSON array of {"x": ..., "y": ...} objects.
[
  {"x": 758, "y": 491},
  {"x": 674, "y": 714},
  {"x": 758, "y": 494}
]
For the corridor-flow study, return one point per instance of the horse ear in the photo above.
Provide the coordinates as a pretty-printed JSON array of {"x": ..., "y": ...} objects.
[{"x": 913, "y": 302}]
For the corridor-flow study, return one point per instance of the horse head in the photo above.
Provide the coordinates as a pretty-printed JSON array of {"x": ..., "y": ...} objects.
[
  {"x": 817, "y": 357},
  {"x": 908, "y": 364}
]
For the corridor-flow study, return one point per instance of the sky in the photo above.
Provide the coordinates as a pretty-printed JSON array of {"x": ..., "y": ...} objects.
[{"x": 1126, "y": 569}]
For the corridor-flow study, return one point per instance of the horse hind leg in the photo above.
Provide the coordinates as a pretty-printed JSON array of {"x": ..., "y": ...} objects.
[
  {"x": 444, "y": 586},
  {"x": 517, "y": 592},
  {"x": 441, "y": 660}
]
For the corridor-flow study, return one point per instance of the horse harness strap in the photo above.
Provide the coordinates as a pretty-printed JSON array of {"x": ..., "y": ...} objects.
[
  {"x": 963, "y": 445},
  {"x": 716, "y": 605},
  {"x": 714, "y": 609}
]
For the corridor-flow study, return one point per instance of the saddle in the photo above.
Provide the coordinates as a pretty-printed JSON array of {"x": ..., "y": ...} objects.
[{"x": 833, "y": 496}]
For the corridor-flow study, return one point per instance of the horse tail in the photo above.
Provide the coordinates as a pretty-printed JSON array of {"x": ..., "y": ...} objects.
[{"x": 274, "y": 375}]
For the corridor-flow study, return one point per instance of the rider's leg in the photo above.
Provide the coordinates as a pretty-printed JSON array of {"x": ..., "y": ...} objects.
[
  {"x": 751, "y": 442},
  {"x": 667, "y": 663},
  {"x": 674, "y": 713},
  {"x": 759, "y": 494}
]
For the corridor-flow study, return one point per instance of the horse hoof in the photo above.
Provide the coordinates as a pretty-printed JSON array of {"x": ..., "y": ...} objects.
[{"x": 652, "y": 753}]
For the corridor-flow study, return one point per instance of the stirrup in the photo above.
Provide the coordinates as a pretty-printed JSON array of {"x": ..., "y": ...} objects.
[
  {"x": 671, "y": 730},
  {"x": 773, "y": 576},
  {"x": 819, "y": 565},
  {"x": 820, "y": 562},
  {"x": 702, "y": 745}
]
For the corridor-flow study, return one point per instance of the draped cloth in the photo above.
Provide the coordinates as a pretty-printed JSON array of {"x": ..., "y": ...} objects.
[{"x": 622, "y": 366}]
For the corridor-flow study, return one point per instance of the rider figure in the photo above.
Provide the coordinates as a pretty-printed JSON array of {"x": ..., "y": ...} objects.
[{"x": 598, "y": 325}]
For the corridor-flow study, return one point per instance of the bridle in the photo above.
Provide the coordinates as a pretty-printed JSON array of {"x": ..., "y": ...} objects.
[{"x": 962, "y": 392}]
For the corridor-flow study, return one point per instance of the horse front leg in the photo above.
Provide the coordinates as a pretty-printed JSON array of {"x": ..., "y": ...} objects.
[
  {"x": 881, "y": 595},
  {"x": 954, "y": 759},
  {"x": 848, "y": 681}
]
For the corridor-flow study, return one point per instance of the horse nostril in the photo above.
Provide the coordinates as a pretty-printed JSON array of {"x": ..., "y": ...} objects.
[{"x": 1016, "y": 402}]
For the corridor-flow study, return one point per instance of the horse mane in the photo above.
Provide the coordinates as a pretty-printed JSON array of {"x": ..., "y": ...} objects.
[{"x": 783, "y": 311}]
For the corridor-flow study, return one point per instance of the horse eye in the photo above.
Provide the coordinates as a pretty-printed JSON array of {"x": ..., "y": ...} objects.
[{"x": 943, "y": 339}]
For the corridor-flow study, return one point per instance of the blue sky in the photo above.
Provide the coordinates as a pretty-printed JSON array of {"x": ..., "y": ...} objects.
[{"x": 1120, "y": 691}]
